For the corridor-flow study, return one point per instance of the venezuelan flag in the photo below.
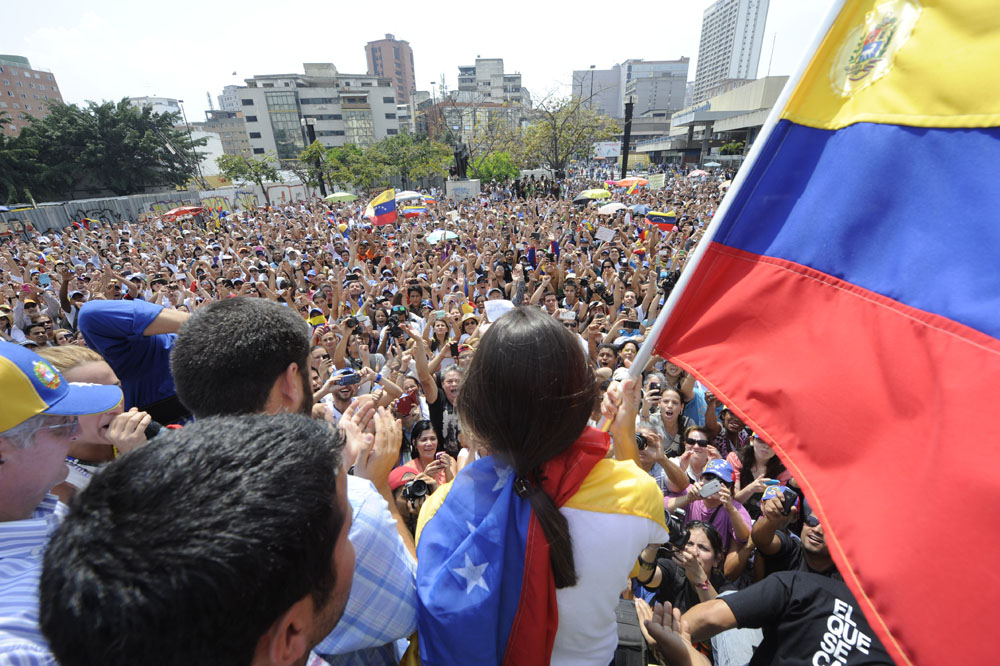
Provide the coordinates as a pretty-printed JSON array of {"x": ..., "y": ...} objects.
[
  {"x": 429, "y": 201},
  {"x": 382, "y": 209},
  {"x": 853, "y": 334},
  {"x": 476, "y": 571},
  {"x": 665, "y": 221},
  {"x": 413, "y": 211}
]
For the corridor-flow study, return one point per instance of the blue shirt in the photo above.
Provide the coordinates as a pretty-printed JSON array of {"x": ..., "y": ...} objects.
[
  {"x": 22, "y": 544},
  {"x": 114, "y": 329},
  {"x": 383, "y": 603}
]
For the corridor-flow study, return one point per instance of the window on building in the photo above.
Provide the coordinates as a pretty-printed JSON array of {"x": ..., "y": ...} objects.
[
  {"x": 18, "y": 84},
  {"x": 395, "y": 52},
  {"x": 389, "y": 100},
  {"x": 253, "y": 135},
  {"x": 390, "y": 116},
  {"x": 258, "y": 151},
  {"x": 251, "y": 119},
  {"x": 392, "y": 132},
  {"x": 246, "y": 102},
  {"x": 267, "y": 85},
  {"x": 31, "y": 85},
  {"x": 283, "y": 110},
  {"x": 6, "y": 82}
]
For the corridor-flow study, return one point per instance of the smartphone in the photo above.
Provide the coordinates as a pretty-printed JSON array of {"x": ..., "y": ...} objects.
[
  {"x": 454, "y": 350},
  {"x": 710, "y": 488},
  {"x": 405, "y": 404},
  {"x": 349, "y": 378},
  {"x": 536, "y": 236},
  {"x": 440, "y": 314},
  {"x": 630, "y": 324}
]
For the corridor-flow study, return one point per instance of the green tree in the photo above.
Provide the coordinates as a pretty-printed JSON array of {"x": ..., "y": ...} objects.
[
  {"x": 311, "y": 167},
  {"x": 111, "y": 145},
  {"x": 564, "y": 128},
  {"x": 733, "y": 148},
  {"x": 16, "y": 164},
  {"x": 258, "y": 172},
  {"x": 411, "y": 160},
  {"x": 494, "y": 167}
]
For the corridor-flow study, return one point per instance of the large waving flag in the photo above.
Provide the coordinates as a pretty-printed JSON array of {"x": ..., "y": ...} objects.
[
  {"x": 382, "y": 209},
  {"x": 856, "y": 335},
  {"x": 484, "y": 580}
]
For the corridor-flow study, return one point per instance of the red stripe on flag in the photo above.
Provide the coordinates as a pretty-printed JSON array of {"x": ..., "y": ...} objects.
[
  {"x": 533, "y": 632},
  {"x": 867, "y": 402}
]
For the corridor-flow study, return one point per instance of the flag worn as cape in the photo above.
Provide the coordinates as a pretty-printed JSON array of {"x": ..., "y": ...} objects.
[{"x": 860, "y": 338}]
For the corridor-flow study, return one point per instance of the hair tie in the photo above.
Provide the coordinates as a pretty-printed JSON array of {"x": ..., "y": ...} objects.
[{"x": 525, "y": 487}]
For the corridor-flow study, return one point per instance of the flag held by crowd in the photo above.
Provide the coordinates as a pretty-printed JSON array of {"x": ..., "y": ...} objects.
[
  {"x": 856, "y": 336},
  {"x": 382, "y": 209},
  {"x": 665, "y": 221}
]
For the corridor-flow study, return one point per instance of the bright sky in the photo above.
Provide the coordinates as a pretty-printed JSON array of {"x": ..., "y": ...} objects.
[{"x": 109, "y": 49}]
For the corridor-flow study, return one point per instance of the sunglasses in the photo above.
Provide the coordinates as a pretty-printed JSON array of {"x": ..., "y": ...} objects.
[
  {"x": 568, "y": 325},
  {"x": 697, "y": 442},
  {"x": 811, "y": 520}
]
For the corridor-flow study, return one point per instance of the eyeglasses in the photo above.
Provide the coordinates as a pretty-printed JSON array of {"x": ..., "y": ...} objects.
[
  {"x": 697, "y": 442},
  {"x": 65, "y": 429}
]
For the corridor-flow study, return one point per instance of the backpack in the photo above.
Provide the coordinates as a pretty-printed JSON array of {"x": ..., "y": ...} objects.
[{"x": 631, "y": 649}]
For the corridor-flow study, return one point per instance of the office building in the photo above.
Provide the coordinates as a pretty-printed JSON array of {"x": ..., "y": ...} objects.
[
  {"x": 486, "y": 81},
  {"x": 228, "y": 100},
  {"x": 342, "y": 108},
  {"x": 732, "y": 32},
  {"x": 231, "y": 130},
  {"x": 656, "y": 85},
  {"x": 25, "y": 92},
  {"x": 392, "y": 58}
]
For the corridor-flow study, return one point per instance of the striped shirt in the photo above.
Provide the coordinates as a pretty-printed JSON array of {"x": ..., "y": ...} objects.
[{"x": 22, "y": 544}]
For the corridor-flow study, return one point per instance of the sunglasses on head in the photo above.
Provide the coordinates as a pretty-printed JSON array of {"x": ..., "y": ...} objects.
[{"x": 697, "y": 442}]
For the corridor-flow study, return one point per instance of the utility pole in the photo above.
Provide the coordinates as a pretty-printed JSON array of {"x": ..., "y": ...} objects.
[
  {"x": 591, "y": 98},
  {"x": 197, "y": 159},
  {"x": 310, "y": 126},
  {"x": 627, "y": 135}
]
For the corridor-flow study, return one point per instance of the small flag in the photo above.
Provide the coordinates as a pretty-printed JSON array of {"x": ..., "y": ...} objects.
[
  {"x": 665, "y": 221},
  {"x": 631, "y": 189},
  {"x": 382, "y": 209},
  {"x": 413, "y": 211}
]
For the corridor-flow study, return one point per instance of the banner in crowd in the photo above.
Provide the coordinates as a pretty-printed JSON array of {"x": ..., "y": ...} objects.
[
  {"x": 855, "y": 335},
  {"x": 604, "y": 149},
  {"x": 657, "y": 181}
]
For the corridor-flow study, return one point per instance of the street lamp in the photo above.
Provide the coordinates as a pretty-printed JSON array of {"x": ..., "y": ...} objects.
[{"x": 197, "y": 160}]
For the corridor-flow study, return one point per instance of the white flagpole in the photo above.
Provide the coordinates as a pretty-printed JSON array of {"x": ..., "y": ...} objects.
[{"x": 652, "y": 335}]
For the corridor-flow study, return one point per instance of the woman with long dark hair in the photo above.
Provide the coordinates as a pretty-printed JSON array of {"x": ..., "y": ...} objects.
[
  {"x": 528, "y": 548},
  {"x": 755, "y": 465}
]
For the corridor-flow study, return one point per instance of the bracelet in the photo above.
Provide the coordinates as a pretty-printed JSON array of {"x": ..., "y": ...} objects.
[
  {"x": 644, "y": 564},
  {"x": 378, "y": 378}
]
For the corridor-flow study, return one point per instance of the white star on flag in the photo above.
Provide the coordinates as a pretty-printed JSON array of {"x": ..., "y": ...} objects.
[
  {"x": 472, "y": 528},
  {"x": 503, "y": 473},
  {"x": 473, "y": 574}
]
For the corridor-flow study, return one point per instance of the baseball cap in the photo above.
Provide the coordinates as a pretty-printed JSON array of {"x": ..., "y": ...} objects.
[
  {"x": 396, "y": 477},
  {"x": 31, "y": 386},
  {"x": 721, "y": 469}
]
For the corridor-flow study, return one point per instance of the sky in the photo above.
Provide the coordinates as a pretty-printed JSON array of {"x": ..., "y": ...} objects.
[{"x": 109, "y": 49}]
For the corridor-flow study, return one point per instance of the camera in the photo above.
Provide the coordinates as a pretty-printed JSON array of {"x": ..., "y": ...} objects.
[
  {"x": 349, "y": 378},
  {"x": 679, "y": 533},
  {"x": 641, "y": 442},
  {"x": 417, "y": 489},
  {"x": 395, "y": 330},
  {"x": 351, "y": 322}
]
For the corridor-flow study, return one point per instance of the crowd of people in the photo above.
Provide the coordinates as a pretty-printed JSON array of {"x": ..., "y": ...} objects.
[{"x": 288, "y": 436}]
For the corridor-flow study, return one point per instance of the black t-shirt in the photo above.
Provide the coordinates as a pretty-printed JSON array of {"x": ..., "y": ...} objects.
[
  {"x": 806, "y": 619},
  {"x": 445, "y": 422},
  {"x": 675, "y": 588},
  {"x": 791, "y": 557}
]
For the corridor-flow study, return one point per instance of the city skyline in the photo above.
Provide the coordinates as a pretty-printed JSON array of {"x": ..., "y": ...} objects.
[{"x": 107, "y": 50}]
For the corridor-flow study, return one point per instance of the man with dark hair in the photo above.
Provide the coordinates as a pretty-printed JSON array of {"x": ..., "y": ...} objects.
[
  {"x": 239, "y": 342},
  {"x": 224, "y": 543},
  {"x": 242, "y": 356}
]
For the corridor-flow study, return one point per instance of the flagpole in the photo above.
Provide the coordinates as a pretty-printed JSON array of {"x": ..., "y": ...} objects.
[{"x": 645, "y": 352}]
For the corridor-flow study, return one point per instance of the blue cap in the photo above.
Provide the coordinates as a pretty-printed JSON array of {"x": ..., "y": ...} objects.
[
  {"x": 721, "y": 469},
  {"x": 31, "y": 386}
]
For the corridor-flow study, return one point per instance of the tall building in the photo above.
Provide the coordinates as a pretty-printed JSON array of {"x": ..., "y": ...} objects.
[
  {"x": 229, "y": 100},
  {"x": 342, "y": 108},
  {"x": 25, "y": 92},
  {"x": 656, "y": 85},
  {"x": 732, "y": 32},
  {"x": 392, "y": 58},
  {"x": 487, "y": 82}
]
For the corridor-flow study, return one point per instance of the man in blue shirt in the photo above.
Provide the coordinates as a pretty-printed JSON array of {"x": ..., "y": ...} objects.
[{"x": 38, "y": 420}]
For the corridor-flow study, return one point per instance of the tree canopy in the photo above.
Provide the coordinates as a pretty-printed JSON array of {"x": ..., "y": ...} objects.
[
  {"x": 108, "y": 146},
  {"x": 564, "y": 128},
  {"x": 402, "y": 155},
  {"x": 251, "y": 170}
]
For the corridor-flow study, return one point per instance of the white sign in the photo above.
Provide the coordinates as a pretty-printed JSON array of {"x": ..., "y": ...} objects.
[
  {"x": 607, "y": 149},
  {"x": 605, "y": 234},
  {"x": 496, "y": 309},
  {"x": 657, "y": 181}
]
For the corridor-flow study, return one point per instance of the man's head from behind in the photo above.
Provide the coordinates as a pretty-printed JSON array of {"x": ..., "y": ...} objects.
[
  {"x": 196, "y": 550},
  {"x": 243, "y": 356}
]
